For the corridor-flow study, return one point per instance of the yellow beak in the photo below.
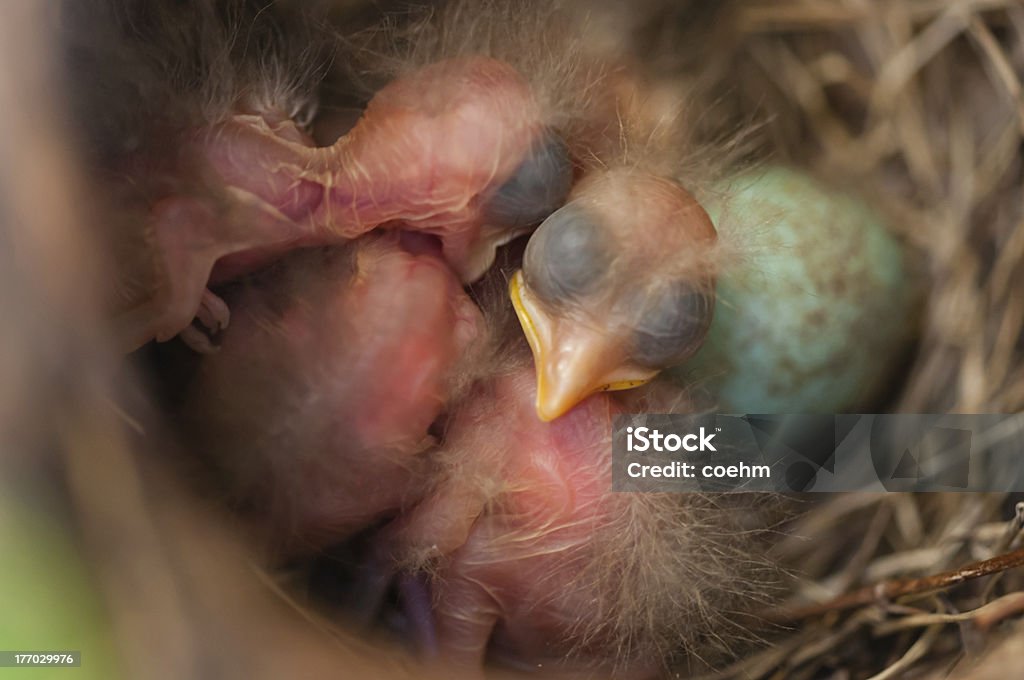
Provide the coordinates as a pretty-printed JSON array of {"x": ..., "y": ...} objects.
[{"x": 573, "y": 360}]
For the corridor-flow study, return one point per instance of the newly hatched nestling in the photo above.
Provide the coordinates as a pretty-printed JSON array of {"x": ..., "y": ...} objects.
[
  {"x": 229, "y": 178},
  {"x": 319, "y": 405},
  {"x": 534, "y": 562}
]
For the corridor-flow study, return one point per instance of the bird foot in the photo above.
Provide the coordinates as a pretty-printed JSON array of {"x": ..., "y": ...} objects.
[{"x": 212, "y": 317}]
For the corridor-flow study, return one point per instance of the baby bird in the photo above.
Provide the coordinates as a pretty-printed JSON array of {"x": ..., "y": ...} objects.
[
  {"x": 454, "y": 150},
  {"x": 457, "y": 149},
  {"x": 531, "y": 561},
  {"x": 319, "y": 406}
]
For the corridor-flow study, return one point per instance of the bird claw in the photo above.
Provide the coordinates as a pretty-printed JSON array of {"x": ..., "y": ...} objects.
[
  {"x": 212, "y": 317},
  {"x": 213, "y": 312}
]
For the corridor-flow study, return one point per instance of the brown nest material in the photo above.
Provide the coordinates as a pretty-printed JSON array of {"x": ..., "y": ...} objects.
[{"x": 920, "y": 102}]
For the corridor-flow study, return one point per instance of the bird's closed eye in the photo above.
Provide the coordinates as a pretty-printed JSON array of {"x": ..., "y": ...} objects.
[
  {"x": 538, "y": 186},
  {"x": 566, "y": 257},
  {"x": 673, "y": 326}
]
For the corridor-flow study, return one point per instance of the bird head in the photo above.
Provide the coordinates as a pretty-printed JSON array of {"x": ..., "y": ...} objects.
[{"x": 616, "y": 285}]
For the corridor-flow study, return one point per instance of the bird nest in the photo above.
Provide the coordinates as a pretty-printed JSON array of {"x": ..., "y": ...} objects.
[{"x": 919, "y": 102}]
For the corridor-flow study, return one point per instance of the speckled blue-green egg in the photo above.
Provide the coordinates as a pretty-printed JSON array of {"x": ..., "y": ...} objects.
[{"x": 815, "y": 307}]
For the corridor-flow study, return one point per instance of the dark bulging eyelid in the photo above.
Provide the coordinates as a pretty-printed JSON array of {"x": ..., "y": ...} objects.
[
  {"x": 567, "y": 256},
  {"x": 673, "y": 327},
  {"x": 537, "y": 188}
]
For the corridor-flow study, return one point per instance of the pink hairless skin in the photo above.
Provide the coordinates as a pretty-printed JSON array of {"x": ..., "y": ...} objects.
[
  {"x": 321, "y": 399},
  {"x": 507, "y": 534},
  {"x": 430, "y": 151}
]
